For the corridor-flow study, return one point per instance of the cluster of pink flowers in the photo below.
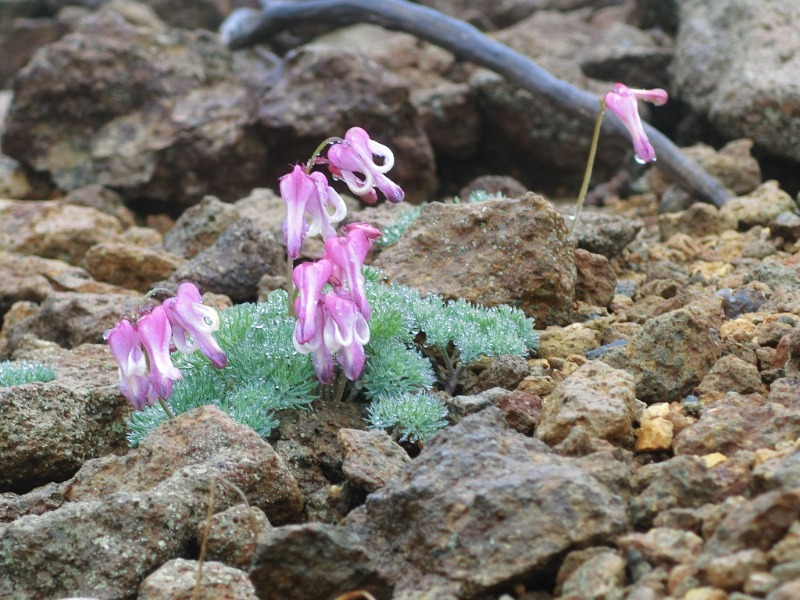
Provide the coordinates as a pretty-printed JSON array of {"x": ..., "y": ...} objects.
[
  {"x": 333, "y": 326},
  {"x": 622, "y": 101},
  {"x": 142, "y": 349}
]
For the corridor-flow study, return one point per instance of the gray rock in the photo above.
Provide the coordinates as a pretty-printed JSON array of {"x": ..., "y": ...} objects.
[
  {"x": 127, "y": 515},
  {"x": 165, "y": 127},
  {"x": 514, "y": 251},
  {"x": 199, "y": 227},
  {"x": 176, "y": 580},
  {"x": 738, "y": 423},
  {"x": 671, "y": 353},
  {"x": 592, "y": 573},
  {"x": 596, "y": 397},
  {"x": 24, "y": 36},
  {"x": 606, "y": 234},
  {"x": 759, "y": 207},
  {"x": 49, "y": 429},
  {"x": 72, "y": 318},
  {"x": 235, "y": 263},
  {"x": 484, "y": 506},
  {"x": 232, "y": 535},
  {"x": 313, "y": 561},
  {"x": 371, "y": 458},
  {"x": 734, "y": 63},
  {"x": 680, "y": 482}
]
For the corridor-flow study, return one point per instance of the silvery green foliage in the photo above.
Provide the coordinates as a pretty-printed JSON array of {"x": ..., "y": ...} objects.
[
  {"x": 19, "y": 372},
  {"x": 417, "y": 416},
  {"x": 265, "y": 373}
]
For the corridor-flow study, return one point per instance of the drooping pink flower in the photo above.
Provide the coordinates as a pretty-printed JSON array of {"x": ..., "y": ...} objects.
[
  {"x": 622, "y": 101},
  {"x": 353, "y": 161},
  {"x": 155, "y": 333},
  {"x": 347, "y": 253},
  {"x": 309, "y": 278},
  {"x": 346, "y": 333},
  {"x": 188, "y": 315},
  {"x": 126, "y": 347},
  {"x": 321, "y": 357},
  {"x": 308, "y": 195}
]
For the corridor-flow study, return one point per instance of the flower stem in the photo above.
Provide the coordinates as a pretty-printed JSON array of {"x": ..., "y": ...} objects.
[
  {"x": 166, "y": 408},
  {"x": 290, "y": 284},
  {"x": 313, "y": 160},
  {"x": 587, "y": 176}
]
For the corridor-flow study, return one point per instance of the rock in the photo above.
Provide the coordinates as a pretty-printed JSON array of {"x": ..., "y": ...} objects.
[
  {"x": 733, "y": 65},
  {"x": 671, "y": 353},
  {"x": 680, "y": 482},
  {"x": 596, "y": 397},
  {"x": 756, "y": 524},
  {"x": 129, "y": 266},
  {"x": 49, "y": 429},
  {"x": 778, "y": 472},
  {"x": 522, "y": 410},
  {"x": 512, "y": 251},
  {"x": 737, "y": 423},
  {"x": 760, "y": 207},
  {"x": 493, "y": 185},
  {"x": 787, "y": 226},
  {"x": 176, "y": 580},
  {"x": 72, "y": 318},
  {"x": 159, "y": 145},
  {"x": 661, "y": 546},
  {"x": 656, "y": 431},
  {"x": 232, "y": 535},
  {"x": 22, "y": 39},
  {"x": 235, "y": 263},
  {"x": 145, "y": 507},
  {"x": 699, "y": 220},
  {"x": 597, "y": 281},
  {"x": 592, "y": 573},
  {"x": 503, "y": 372},
  {"x": 606, "y": 234},
  {"x": 15, "y": 181},
  {"x": 32, "y": 278},
  {"x": 371, "y": 458},
  {"x": 201, "y": 437},
  {"x": 199, "y": 227},
  {"x": 323, "y": 90},
  {"x": 53, "y": 229},
  {"x": 731, "y": 374},
  {"x": 730, "y": 572},
  {"x": 484, "y": 506},
  {"x": 562, "y": 342},
  {"x": 102, "y": 199},
  {"x": 785, "y": 391},
  {"x": 625, "y": 53},
  {"x": 746, "y": 299},
  {"x": 313, "y": 561}
]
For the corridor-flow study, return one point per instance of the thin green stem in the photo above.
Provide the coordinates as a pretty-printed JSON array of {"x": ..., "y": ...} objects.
[
  {"x": 290, "y": 284},
  {"x": 341, "y": 384},
  {"x": 587, "y": 176},
  {"x": 313, "y": 160},
  {"x": 166, "y": 408}
]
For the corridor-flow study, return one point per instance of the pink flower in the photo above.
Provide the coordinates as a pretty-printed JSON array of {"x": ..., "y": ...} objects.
[
  {"x": 321, "y": 357},
  {"x": 346, "y": 333},
  {"x": 622, "y": 102},
  {"x": 310, "y": 195},
  {"x": 187, "y": 314},
  {"x": 126, "y": 347},
  {"x": 347, "y": 254},
  {"x": 309, "y": 278},
  {"x": 354, "y": 156},
  {"x": 155, "y": 333}
]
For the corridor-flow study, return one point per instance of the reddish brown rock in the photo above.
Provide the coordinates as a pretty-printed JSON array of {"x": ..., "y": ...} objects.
[
  {"x": 596, "y": 281},
  {"x": 371, "y": 458},
  {"x": 128, "y": 266}
]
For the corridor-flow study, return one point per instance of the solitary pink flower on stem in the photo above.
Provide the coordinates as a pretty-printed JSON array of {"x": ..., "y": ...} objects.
[
  {"x": 156, "y": 335},
  {"x": 622, "y": 101},
  {"x": 352, "y": 161},
  {"x": 126, "y": 347},
  {"x": 188, "y": 315}
]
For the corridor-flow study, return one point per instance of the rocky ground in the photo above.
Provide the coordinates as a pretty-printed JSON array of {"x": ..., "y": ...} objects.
[{"x": 648, "y": 450}]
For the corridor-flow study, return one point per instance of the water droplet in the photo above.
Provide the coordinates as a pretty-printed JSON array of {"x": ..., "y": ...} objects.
[{"x": 639, "y": 159}]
